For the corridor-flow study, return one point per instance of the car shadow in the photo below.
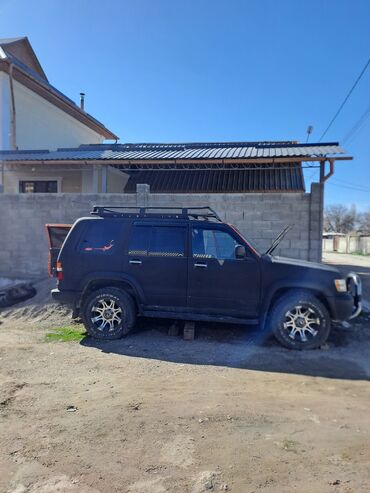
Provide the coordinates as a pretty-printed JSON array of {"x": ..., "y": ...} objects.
[{"x": 243, "y": 347}]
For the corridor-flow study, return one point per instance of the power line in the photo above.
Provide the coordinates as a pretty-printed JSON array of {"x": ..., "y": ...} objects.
[
  {"x": 348, "y": 187},
  {"x": 345, "y": 99},
  {"x": 351, "y": 184},
  {"x": 357, "y": 126}
]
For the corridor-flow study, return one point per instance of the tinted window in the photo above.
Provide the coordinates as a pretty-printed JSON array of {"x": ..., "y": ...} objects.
[
  {"x": 57, "y": 235},
  {"x": 213, "y": 243},
  {"x": 100, "y": 236},
  {"x": 139, "y": 242},
  {"x": 38, "y": 186},
  {"x": 157, "y": 241},
  {"x": 167, "y": 241}
]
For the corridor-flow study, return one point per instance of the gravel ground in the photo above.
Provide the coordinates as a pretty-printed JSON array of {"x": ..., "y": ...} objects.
[{"x": 153, "y": 413}]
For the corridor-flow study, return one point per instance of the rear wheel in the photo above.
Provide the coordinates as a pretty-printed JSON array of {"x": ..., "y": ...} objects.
[
  {"x": 109, "y": 313},
  {"x": 300, "y": 321}
]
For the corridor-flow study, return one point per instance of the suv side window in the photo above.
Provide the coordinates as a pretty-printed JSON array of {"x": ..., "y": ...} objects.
[
  {"x": 139, "y": 241},
  {"x": 157, "y": 241},
  {"x": 167, "y": 242},
  {"x": 100, "y": 236},
  {"x": 213, "y": 243}
]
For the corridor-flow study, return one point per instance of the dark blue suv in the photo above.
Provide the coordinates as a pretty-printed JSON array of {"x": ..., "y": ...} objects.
[{"x": 188, "y": 264}]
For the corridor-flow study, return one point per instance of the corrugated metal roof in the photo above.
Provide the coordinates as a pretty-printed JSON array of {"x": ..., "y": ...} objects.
[
  {"x": 288, "y": 179},
  {"x": 186, "y": 151}
]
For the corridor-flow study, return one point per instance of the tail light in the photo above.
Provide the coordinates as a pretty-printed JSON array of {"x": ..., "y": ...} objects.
[{"x": 59, "y": 271}]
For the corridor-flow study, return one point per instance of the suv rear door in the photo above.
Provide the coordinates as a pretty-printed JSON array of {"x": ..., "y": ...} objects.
[
  {"x": 157, "y": 260},
  {"x": 56, "y": 234},
  {"x": 218, "y": 282}
]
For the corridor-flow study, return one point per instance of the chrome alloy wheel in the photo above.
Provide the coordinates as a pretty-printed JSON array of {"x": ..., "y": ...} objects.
[
  {"x": 302, "y": 322},
  {"x": 106, "y": 314}
]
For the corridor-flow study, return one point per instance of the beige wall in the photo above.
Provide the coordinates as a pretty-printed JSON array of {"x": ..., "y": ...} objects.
[
  {"x": 5, "y": 141},
  {"x": 70, "y": 178},
  {"x": 41, "y": 125},
  {"x": 347, "y": 244},
  {"x": 116, "y": 180}
]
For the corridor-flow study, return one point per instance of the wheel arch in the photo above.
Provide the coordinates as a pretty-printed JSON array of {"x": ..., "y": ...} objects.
[
  {"x": 282, "y": 290},
  {"x": 125, "y": 284}
]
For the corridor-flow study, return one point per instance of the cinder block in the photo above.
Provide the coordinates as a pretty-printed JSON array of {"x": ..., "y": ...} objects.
[
  {"x": 189, "y": 331},
  {"x": 174, "y": 329},
  {"x": 299, "y": 244}
]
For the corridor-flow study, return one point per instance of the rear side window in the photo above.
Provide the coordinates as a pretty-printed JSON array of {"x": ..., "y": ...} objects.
[
  {"x": 139, "y": 241},
  {"x": 100, "y": 237},
  {"x": 157, "y": 241},
  {"x": 167, "y": 242}
]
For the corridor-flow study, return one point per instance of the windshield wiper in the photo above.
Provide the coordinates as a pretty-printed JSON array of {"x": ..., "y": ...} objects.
[{"x": 278, "y": 239}]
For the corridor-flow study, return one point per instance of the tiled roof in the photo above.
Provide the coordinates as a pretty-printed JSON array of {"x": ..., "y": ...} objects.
[{"x": 182, "y": 151}]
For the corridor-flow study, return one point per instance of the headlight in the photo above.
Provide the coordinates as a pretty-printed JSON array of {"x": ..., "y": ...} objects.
[{"x": 341, "y": 285}]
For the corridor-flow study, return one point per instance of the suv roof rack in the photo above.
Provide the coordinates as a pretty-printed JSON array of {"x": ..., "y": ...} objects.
[{"x": 205, "y": 213}]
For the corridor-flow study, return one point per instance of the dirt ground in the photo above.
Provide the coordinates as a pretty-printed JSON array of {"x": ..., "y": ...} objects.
[{"x": 154, "y": 413}]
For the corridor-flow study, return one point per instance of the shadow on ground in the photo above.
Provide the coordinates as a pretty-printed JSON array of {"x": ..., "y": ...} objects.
[{"x": 345, "y": 356}]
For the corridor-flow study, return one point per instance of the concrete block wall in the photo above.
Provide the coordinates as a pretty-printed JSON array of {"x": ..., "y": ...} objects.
[{"x": 259, "y": 216}]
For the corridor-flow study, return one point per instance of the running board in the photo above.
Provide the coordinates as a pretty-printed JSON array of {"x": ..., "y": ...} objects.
[{"x": 200, "y": 317}]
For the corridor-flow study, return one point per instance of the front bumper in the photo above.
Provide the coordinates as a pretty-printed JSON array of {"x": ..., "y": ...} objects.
[
  {"x": 346, "y": 306},
  {"x": 354, "y": 286}
]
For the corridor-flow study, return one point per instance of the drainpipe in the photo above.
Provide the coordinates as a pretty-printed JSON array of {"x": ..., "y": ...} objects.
[
  {"x": 12, "y": 110},
  {"x": 2, "y": 177}
]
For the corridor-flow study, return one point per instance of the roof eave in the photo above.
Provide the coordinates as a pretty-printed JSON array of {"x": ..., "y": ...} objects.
[
  {"x": 54, "y": 98},
  {"x": 27, "y": 41},
  {"x": 158, "y": 162}
]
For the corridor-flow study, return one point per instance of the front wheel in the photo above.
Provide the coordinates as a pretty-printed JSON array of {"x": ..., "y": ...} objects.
[
  {"x": 108, "y": 313},
  {"x": 300, "y": 321}
]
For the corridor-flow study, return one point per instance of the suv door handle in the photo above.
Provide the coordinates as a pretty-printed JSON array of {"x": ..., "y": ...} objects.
[
  {"x": 135, "y": 261},
  {"x": 200, "y": 264}
]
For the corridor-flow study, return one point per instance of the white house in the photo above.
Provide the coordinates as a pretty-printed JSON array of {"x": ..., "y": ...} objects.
[{"x": 35, "y": 115}]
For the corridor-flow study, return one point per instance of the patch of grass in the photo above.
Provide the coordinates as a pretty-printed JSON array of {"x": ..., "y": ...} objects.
[
  {"x": 290, "y": 445},
  {"x": 66, "y": 334},
  {"x": 361, "y": 253}
]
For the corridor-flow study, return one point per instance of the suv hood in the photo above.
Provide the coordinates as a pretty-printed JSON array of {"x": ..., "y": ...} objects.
[{"x": 302, "y": 263}]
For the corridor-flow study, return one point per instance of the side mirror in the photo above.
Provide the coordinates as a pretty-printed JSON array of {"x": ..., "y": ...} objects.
[{"x": 240, "y": 251}]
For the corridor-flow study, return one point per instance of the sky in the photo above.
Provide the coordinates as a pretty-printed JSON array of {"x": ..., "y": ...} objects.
[{"x": 212, "y": 70}]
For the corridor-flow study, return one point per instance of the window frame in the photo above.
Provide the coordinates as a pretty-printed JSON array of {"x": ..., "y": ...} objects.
[
  {"x": 215, "y": 227},
  {"x": 151, "y": 225},
  {"x": 32, "y": 179}
]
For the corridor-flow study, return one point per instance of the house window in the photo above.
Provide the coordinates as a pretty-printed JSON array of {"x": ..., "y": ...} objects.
[{"x": 38, "y": 186}]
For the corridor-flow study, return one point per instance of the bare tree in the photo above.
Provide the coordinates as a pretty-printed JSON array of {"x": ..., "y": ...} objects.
[
  {"x": 364, "y": 222},
  {"x": 340, "y": 219}
]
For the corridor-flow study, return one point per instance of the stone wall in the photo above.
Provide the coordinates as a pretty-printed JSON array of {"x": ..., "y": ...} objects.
[{"x": 259, "y": 216}]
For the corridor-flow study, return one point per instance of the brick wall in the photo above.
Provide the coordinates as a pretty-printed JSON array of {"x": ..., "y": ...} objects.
[{"x": 259, "y": 216}]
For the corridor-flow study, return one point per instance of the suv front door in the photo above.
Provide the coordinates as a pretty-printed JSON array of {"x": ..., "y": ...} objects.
[
  {"x": 218, "y": 282},
  {"x": 156, "y": 260}
]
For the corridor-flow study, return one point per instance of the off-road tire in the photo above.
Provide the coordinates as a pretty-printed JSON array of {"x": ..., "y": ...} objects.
[
  {"x": 288, "y": 302},
  {"x": 121, "y": 301}
]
